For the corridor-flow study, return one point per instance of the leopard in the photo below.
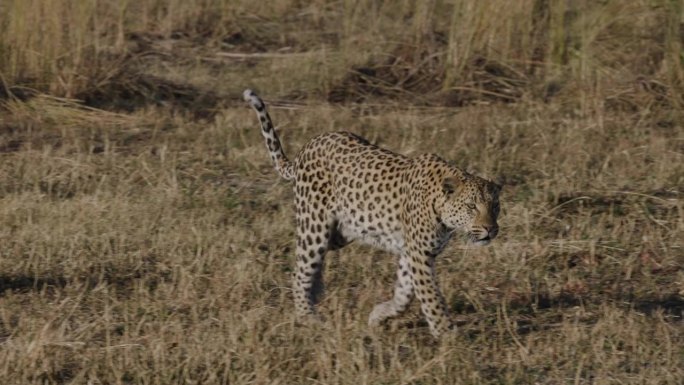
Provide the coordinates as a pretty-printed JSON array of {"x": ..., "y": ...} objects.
[{"x": 347, "y": 189}]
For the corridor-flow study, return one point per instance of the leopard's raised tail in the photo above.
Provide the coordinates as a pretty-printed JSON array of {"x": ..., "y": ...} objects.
[{"x": 284, "y": 167}]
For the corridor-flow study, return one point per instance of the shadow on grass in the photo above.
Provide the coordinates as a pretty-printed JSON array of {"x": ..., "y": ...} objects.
[
  {"x": 122, "y": 280},
  {"x": 543, "y": 312},
  {"x": 671, "y": 306},
  {"x": 26, "y": 283}
]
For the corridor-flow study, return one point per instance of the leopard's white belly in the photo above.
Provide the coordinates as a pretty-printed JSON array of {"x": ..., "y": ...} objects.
[{"x": 391, "y": 240}]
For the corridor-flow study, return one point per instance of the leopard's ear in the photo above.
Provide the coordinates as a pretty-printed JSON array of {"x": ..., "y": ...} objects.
[
  {"x": 448, "y": 187},
  {"x": 451, "y": 184},
  {"x": 498, "y": 184}
]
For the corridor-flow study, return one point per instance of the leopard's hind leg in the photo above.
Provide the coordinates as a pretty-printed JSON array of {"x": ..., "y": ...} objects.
[{"x": 316, "y": 234}]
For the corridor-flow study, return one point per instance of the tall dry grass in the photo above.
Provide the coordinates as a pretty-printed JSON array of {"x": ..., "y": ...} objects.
[
  {"x": 581, "y": 48},
  {"x": 147, "y": 240}
]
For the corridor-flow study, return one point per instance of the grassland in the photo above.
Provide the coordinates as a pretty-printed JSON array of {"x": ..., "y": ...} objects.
[{"x": 146, "y": 238}]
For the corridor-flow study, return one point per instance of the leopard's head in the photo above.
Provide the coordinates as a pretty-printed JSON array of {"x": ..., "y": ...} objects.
[{"x": 471, "y": 204}]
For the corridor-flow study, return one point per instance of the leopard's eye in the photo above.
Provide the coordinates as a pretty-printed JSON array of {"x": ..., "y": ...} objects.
[{"x": 470, "y": 206}]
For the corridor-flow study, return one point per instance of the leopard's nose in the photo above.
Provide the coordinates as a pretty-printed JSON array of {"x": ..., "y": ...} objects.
[{"x": 492, "y": 230}]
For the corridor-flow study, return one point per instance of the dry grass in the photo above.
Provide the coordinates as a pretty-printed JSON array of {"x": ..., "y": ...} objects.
[{"x": 147, "y": 240}]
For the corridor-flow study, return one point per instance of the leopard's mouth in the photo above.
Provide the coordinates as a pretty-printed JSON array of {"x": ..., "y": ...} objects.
[
  {"x": 482, "y": 241},
  {"x": 482, "y": 237}
]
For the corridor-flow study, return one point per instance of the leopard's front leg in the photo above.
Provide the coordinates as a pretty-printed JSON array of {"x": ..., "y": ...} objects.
[
  {"x": 403, "y": 294},
  {"x": 432, "y": 303}
]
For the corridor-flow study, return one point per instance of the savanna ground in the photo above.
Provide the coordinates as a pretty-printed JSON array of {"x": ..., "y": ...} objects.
[{"x": 146, "y": 238}]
